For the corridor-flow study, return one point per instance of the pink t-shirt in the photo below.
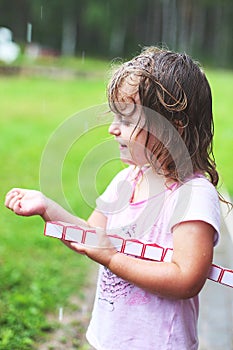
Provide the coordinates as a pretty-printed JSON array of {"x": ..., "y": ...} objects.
[{"x": 127, "y": 317}]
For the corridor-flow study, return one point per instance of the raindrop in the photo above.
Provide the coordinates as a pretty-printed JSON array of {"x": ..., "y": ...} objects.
[
  {"x": 60, "y": 316},
  {"x": 83, "y": 56}
]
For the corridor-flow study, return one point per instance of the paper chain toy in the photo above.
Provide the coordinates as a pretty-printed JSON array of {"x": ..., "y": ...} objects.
[{"x": 132, "y": 247}]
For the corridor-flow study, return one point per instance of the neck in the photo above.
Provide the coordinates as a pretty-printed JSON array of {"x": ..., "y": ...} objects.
[{"x": 148, "y": 184}]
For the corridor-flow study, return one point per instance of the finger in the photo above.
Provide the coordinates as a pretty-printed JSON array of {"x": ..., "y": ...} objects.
[
  {"x": 10, "y": 195},
  {"x": 13, "y": 190},
  {"x": 17, "y": 207},
  {"x": 103, "y": 240},
  {"x": 13, "y": 198},
  {"x": 78, "y": 248},
  {"x": 72, "y": 245},
  {"x": 100, "y": 231},
  {"x": 9, "y": 198},
  {"x": 75, "y": 245},
  {"x": 16, "y": 191}
]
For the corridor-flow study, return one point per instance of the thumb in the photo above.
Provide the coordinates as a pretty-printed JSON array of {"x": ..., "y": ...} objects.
[
  {"x": 100, "y": 231},
  {"x": 103, "y": 239}
]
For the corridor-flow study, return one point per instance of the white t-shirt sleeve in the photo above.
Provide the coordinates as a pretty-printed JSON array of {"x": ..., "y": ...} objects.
[{"x": 197, "y": 200}]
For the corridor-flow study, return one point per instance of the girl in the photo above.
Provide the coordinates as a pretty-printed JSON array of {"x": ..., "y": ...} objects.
[{"x": 163, "y": 123}]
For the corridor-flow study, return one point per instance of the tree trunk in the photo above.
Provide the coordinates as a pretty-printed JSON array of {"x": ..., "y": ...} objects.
[
  {"x": 69, "y": 33},
  {"x": 169, "y": 23}
]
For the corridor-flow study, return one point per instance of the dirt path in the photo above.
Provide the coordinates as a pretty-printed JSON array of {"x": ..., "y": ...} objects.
[{"x": 72, "y": 324}]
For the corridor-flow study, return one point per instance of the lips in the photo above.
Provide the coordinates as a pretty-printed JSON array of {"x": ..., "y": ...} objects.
[{"x": 122, "y": 145}]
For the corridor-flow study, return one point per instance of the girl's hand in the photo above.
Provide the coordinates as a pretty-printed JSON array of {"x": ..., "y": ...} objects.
[
  {"x": 102, "y": 253},
  {"x": 26, "y": 202}
]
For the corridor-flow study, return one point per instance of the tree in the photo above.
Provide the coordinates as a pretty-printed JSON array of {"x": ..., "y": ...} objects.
[{"x": 110, "y": 28}]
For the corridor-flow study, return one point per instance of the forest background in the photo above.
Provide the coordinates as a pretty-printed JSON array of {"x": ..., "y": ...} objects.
[{"x": 110, "y": 28}]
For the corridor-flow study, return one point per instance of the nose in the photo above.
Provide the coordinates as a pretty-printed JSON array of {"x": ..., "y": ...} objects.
[{"x": 114, "y": 129}]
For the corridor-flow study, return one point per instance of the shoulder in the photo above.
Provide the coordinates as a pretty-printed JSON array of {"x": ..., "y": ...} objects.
[
  {"x": 197, "y": 200},
  {"x": 199, "y": 188},
  {"x": 201, "y": 181}
]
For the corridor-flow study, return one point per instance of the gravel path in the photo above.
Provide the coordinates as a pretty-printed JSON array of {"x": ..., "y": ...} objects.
[{"x": 216, "y": 303}]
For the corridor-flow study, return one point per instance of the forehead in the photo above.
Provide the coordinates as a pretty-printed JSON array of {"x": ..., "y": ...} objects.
[
  {"x": 124, "y": 93},
  {"x": 128, "y": 87}
]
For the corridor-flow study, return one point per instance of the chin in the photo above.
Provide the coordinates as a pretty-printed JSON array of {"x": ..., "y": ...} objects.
[
  {"x": 127, "y": 161},
  {"x": 131, "y": 162}
]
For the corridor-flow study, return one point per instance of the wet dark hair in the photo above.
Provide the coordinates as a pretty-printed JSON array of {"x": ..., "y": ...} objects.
[{"x": 173, "y": 85}]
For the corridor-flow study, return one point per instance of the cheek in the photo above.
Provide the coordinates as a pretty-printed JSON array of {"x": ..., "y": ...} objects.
[
  {"x": 127, "y": 133},
  {"x": 146, "y": 142},
  {"x": 137, "y": 143},
  {"x": 140, "y": 137}
]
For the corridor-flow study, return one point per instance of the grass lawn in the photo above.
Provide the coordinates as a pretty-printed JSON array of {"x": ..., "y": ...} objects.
[
  {"x": 39, "y": 274},
  {"x": 222, "y": 89}
]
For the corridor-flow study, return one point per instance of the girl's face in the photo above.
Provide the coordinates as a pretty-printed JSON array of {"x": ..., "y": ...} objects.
[
  {"x": 128, "y": 126},
  {"x": 131, "y": 146}
]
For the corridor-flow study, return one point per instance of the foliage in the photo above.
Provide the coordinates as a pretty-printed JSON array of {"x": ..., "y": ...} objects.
[{"x": 109, "y": 28}]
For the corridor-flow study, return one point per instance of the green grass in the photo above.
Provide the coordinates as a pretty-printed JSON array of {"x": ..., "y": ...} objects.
[
  {"x": 38, "y": 274},
  {"x": 222, "y": 89}
]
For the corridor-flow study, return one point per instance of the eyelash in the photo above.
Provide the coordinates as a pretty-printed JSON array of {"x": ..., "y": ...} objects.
[
  {"x": 126, "y": 122},
  {"x": 121, "y": 119}
]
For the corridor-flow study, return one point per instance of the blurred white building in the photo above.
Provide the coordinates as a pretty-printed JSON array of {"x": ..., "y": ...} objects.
[{"x": 9, "y": 50}]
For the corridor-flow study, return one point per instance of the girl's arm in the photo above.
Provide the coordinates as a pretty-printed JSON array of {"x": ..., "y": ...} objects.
[
  {"x": 182, "y": 278},
  {"x": 26, "y": 202}
]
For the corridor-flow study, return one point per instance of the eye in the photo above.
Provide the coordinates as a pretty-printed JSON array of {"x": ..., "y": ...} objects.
[
  {"x": 126, "y": 121},
  {"x": 118, "y": 118}
]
